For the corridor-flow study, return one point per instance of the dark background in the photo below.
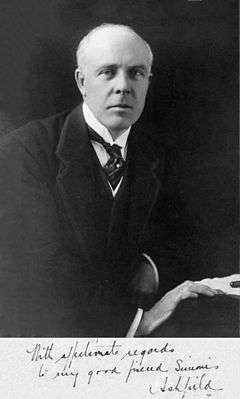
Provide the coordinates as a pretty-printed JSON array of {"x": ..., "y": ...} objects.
[{"x": 192, "y": 98}]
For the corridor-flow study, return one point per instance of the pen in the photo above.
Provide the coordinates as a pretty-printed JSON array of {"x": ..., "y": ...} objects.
[{"x": 235, "y": 284}]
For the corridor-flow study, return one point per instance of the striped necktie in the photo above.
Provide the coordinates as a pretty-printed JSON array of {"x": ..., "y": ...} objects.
[{"x": 114, "y": 167}]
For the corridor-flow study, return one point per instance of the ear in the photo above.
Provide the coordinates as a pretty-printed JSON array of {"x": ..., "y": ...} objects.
[
  {"x": 79, "y": 77},
  {"x": 150, "y": 77}
]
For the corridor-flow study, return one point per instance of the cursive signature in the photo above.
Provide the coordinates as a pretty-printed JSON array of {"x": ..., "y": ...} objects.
[{"x": 185, "y": 384}]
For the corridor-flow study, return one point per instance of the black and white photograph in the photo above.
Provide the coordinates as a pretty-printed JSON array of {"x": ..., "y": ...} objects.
[{"x": 119, "y": 173}]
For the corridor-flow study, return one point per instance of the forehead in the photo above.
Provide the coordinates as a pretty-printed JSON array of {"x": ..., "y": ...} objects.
[{"x": 116, "y": 47}]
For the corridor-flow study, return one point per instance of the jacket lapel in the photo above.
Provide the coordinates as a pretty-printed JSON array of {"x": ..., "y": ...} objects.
[
  {"x": 77, "y": 183},
  {"x": 145, "y": 170}
]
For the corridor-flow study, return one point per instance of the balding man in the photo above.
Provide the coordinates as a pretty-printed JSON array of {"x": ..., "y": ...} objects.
[{"x": 90, "y": 220}]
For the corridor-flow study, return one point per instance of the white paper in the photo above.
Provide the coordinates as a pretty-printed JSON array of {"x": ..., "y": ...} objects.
[
  {"x": 119, "y": 368},
  {"x": 223, "y": 284}
]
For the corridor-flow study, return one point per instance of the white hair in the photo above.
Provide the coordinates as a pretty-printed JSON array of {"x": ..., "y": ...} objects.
[{"x": 82, "y": 46}]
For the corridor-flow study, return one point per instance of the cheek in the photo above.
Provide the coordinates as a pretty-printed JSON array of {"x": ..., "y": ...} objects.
[
  {"x": 141, "y": 99},
  {"x": 98, "y": 91},
  {"x": 91, "y": 84},
  {"x": 141, "y": 93},
  {"x": 90, "y": 88}
]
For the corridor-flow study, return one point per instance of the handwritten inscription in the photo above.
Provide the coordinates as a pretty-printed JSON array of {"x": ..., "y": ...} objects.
[
  {"x": 75, "y": 353},
  {"x": 185, "y": 384},
  {"x": 162, "y": 369},
  {"x": 40, "y": 352},
  {"x": 143, "y": 352}
]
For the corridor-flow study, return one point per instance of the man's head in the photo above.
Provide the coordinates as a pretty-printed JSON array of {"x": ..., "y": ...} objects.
[{"x": 114, "y": 66}]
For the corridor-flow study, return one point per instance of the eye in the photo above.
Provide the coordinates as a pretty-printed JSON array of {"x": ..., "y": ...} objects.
[
  {"x": 107, "y": 73},
  {"x": 137, "y": 74}
]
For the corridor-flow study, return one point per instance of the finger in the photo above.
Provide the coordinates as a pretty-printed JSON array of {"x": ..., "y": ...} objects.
[
  {"x": 189, "y": 294},
  {"x": 203, "y": 289},
  {"x": 185, "y": 291},
  {"x": 195, "y": 287}
]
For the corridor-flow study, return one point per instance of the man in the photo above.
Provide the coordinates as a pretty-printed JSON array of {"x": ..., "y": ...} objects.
[{"x": 90, "y": 218}]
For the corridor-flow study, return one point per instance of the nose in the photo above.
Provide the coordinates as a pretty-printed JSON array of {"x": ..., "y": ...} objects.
[{"x": 122, "y": 84}]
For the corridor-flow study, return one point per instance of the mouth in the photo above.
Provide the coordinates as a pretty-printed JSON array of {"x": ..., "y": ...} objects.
[{"x": 120, "y": 106}]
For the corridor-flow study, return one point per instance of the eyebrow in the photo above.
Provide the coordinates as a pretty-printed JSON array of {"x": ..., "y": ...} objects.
[
  {"x": 115, "y": 66},
  {"x": 139, "y": 66}
]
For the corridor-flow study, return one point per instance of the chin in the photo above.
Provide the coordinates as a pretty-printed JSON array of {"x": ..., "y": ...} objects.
[{"x": 118, "y": 127}]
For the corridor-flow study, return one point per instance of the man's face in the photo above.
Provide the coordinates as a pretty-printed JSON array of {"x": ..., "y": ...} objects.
[{"x": 115, "y": 79}]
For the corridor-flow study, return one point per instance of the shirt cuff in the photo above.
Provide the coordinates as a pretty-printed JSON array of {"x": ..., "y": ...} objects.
[{"x": 135, "y": 324}]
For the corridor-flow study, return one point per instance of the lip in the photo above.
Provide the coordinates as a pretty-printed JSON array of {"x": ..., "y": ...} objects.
[{"x": 121, "y": 106}]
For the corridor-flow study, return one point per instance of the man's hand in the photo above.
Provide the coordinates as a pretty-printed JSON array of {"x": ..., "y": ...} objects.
[{"x": 164, "y": 308}]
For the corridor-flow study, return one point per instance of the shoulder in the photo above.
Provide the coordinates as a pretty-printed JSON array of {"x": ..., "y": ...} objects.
[
  {"x": 28, "y": 153},
  {"x": 33, "y": 144},
  {"x": 40, "y": 134}
]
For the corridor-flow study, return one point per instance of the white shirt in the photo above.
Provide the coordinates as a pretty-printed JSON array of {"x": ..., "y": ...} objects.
[{"x": 102, "y": 154}]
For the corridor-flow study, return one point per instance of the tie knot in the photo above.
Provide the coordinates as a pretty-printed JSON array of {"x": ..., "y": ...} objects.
[
  {"x": 114, "y": 167},
  {"x": 114, "y": 150}
]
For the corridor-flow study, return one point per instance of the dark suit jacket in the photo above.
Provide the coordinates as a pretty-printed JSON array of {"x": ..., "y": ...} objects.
[{"x": 67, "y": 248}]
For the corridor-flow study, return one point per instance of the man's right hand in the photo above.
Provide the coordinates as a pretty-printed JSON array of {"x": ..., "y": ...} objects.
[{"x": 164, "y": 308}]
